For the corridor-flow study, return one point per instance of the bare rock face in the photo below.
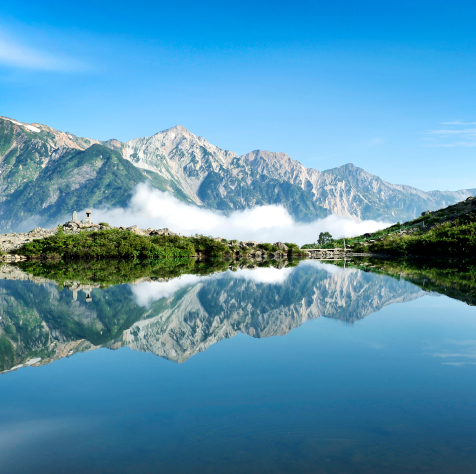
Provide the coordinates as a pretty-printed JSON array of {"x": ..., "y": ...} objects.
[
  {"x": 149, "y": 231},
  {"x": 281, "y": 246},
  {"x": 137, "y": 231},
  {"x": 179, "y": 156},
  {"x": 11, "y": 242},
  {"x": 73, "y": 225},
  {"x": 164, "y": 231}
]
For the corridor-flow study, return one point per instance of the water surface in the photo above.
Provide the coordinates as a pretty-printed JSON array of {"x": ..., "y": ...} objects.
[{"x": 315, "y": 368}]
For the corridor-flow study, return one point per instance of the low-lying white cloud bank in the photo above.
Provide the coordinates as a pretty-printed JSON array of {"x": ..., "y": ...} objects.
[{"x": 152, "y": 208}]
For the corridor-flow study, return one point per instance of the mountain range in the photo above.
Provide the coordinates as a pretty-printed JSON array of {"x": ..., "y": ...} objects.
[{"x": 46, "y": 173}]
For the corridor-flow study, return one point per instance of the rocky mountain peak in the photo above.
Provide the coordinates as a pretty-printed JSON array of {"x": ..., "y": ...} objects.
[
  {"x": 174, "y": 132},
  {"x": 347, "y": 168},
  {"x": 173, "y": 141},
  {"x": 276, "y": 164},
  {"x": 178, "y": 128}
]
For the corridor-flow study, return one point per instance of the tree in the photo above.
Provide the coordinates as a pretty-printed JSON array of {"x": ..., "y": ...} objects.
[{"x": 324, "y": 238}]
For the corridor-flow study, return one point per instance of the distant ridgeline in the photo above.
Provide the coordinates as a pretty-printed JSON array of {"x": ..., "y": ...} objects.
[
  {"x": 45, "y": 173},
  {"x": 447, "y": 232}
]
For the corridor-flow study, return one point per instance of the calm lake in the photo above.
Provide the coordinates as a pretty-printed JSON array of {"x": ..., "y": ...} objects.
[{"x": 313, "y": 368}]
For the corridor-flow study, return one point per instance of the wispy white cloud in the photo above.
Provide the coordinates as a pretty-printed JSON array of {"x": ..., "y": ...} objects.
[
  {"x": 17, "y": 55},
  {"x": 147, "y": 292},
  {"x": 445, "y": 137},
  {"x": 457, "y": 353},
  {"x": 270, "y": 276},
  {"x": 152, "y": 208},
  {"x": 329, "y": 268}
]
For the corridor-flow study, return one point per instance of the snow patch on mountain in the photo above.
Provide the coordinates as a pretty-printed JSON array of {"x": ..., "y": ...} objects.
[{"x": 26, "y": 125}]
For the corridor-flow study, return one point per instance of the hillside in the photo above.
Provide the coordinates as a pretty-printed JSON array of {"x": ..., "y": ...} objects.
[
  {"x": 46, "y": 173},
  {"x": 447, "y": 232},
  {"x": 76, "y": 179}
]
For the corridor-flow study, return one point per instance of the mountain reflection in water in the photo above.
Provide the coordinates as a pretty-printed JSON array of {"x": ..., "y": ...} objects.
[{"x": 182, "y": 316}]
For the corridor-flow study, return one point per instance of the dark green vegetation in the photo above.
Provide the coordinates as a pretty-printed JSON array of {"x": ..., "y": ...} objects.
[
  {"x": 324, "y": 239},
  {"x": 121, "y": 244},
  {"x": 453, "y": 277},
  {"x": 446, "y": 232},
  {"x": 124, "y": 244}
]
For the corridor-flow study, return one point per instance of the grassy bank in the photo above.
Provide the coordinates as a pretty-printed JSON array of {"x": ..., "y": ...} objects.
[
  {"x": 445, "y": 240},
  {"x": 124, "y": 244},
  {"x": 446, "y": 232}
]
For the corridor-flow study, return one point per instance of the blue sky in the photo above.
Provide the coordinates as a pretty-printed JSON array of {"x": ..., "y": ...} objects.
[{"x": 388, "y": 86}]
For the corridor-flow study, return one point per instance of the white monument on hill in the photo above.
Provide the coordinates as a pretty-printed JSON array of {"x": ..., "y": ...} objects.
[{"x": 87, "y": 220}]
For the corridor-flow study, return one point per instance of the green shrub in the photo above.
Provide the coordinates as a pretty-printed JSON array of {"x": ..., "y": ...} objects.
[
  {"x": 445, "y": 240},
  {"x": 108, "y": 243},
  {"x": 124, "y": 244},
  {"x": 268, "y": 247},
  {"x": 115, "y": 243}
]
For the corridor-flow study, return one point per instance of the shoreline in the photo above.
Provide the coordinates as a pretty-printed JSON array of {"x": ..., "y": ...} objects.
[{"x": 16, "y": 258}]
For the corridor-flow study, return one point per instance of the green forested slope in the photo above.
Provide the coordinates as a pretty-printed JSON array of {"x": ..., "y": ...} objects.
[{"x": 97, "y": 176}]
